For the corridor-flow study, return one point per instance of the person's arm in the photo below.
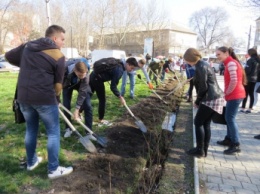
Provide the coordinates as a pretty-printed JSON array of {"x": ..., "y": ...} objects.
[
  {"x": 202, "y": 78},
  {"x": 59, "y": 76},
  {"x": 232, "y": 69},
  {"x": 14, "y": 56},
  {"x": 145, "y": 74}
]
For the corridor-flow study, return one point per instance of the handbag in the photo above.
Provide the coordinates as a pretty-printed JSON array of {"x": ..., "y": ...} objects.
[
  {"x": 18, "y": 115},
  {"x": 219, "y": 118},
  {"x": 258, "y": 89}
]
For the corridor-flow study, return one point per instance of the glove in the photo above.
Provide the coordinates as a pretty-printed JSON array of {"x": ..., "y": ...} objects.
[
  {"x": 166, "y": 70},
  {"x": 150, "y": 85}
]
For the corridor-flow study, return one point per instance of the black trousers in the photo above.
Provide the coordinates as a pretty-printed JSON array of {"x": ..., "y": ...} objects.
[
  {"x": 97, "y": 85},
  {"x": 202, "y": 122},
  {"x": 249, "y": 88}
]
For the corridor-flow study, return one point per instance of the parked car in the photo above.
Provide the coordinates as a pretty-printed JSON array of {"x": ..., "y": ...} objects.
[
  {"x": 213, "y": 62},
  {"x": 6, "y": 65}
]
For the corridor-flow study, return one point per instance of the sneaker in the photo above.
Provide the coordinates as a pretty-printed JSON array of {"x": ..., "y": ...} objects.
[
  {"x": 242, "y": 111},
  {"x": 67, "y": 133},
  {"x": 104, "y": 122},
  {"x": 257, "y": 137},
  {"x": 248, "y": 111},
  {"x": 225, "y": 142},
  {"x": 39, "y": 160},
  {"x": 60, "y": 172},
  {"x": 233, "y": 149}
]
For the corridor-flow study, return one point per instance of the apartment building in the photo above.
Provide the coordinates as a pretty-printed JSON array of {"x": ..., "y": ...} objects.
[{"x": 172, "y": 39}]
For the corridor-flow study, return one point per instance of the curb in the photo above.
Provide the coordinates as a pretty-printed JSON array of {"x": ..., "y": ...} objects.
[{"x": 196, "y": 168}]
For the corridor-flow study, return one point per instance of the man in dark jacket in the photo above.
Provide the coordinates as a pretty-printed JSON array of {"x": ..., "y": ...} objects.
[
  {"x": 40, "y": 79},
  {"x": 77, "y": 78},
  {"x": 97, "y": 84}
]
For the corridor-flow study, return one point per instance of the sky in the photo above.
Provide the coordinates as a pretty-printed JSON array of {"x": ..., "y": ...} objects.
[{"x": 240, "y": 19}]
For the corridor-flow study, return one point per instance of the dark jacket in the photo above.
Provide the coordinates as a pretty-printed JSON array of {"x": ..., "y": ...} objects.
[
  {"x": 113, "y": 75},
  {"x": 251, "y": 69},
  {"x": 190, "y": 71},
  {"x": 206, "y": 83},
  {"x": 42, "y": 65},
  {"x": 72, "y": 82}
]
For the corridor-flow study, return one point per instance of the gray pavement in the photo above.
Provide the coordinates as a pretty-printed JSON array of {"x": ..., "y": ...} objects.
[{"x": 240, "y": 173}]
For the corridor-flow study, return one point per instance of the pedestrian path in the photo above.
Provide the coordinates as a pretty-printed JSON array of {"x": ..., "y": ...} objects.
[{"x": 240, "y": 173}]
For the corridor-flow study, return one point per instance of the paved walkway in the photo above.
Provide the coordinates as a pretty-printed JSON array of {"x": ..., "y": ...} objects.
[{"x": 240, "y": 173}]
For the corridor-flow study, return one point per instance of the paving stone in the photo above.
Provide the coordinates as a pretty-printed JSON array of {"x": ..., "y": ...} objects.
[
  {"x": 234, "y": 183},
  {"x": 255, "y": 181},
  {"x": 250, "y": 187},
  {"x": 243, "y": 179},
  {"x": 214, "y": 179},
  {"x": 243, "y": 191},
  {"x": 212, "y": 186},
  {"x": 226, "y": 188},
  {"x": 228, "y": 176}
]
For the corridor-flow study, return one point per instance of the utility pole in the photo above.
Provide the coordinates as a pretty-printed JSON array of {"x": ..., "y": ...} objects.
[
  {"x": 249, "y": 38},
  {"x": 48, "y": 12}
]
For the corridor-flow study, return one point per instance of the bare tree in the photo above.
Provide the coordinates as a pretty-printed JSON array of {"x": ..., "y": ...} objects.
[
  {"x": 4, "y": 6},
  {"x": 123, "y": 21},
  {"x": 249, "y": 4},
  {"x": 210, "y": 25},
  {"x": 152, "y": 19}
]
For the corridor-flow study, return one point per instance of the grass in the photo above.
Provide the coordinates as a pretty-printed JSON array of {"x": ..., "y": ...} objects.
[{"x": 13, "y": 179}]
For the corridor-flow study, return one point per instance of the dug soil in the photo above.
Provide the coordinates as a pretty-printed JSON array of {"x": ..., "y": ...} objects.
[{"x": 136, "y": 162}]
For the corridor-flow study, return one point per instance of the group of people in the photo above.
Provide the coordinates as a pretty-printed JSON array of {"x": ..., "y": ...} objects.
[
  {"x": 211, "y": 99},
  {"x": 44, "y": 77}
]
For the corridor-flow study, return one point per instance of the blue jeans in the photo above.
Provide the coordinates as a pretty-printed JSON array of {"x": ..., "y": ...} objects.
[
  {"x": 124, "y": 82},
  {"x": 49, "y": 114},
  {"x": 230, "y": 116},
  {"x": 86, "y": 106}
]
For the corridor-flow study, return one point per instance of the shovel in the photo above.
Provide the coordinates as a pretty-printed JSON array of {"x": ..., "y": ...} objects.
[
  {"x": 102, "y": 141},
  {"x": 138, "y": 122},
  {"x": 139, "y": 76},
  {"x": 84, "y": 141},
  {"x": 179, "y": 86}
]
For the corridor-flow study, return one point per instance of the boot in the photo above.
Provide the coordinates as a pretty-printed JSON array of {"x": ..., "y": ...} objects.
[
  {"x": 197, "y": 152},
  {"x": 225, "y": 142},
  {"x": 206, "y": 146},
  {"x": 232, "y": 149}
]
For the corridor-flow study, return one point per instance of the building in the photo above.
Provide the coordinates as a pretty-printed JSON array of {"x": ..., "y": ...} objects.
[{"x": 172, "y": 39}]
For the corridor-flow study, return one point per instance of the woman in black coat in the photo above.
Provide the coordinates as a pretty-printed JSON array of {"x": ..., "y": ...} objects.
[{"x": 209, "y": 100}]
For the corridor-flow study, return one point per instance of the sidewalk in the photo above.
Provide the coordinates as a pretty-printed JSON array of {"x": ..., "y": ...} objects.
[{"x": 240, "y": 173}]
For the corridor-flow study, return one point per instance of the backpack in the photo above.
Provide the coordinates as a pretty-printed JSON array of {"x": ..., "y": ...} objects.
[{"x": 106, "y": 64}]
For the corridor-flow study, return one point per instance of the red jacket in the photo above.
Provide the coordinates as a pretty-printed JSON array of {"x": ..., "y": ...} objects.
[{"x": 239, "y": 91}]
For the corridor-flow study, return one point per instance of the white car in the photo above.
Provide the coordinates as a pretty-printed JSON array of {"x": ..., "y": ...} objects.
[
  {"x": 6, "y": 65},
  {"x": 213, "y": 62}
]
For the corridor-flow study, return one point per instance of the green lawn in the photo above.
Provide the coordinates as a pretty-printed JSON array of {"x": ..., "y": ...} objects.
[{"x": 13, "y": 178}]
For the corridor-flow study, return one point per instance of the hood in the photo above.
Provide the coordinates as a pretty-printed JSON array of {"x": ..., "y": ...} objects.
[{"x": 41, "y": 44}]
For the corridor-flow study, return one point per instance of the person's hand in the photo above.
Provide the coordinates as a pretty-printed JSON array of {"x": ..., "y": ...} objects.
[
  {"x": 167, "y": 70},
  {"x": 122, "y": 100},
  {"x": 195, "y": 105},
  {"x": 150, "y": 85},
  {"x": 76, "y": 115}
]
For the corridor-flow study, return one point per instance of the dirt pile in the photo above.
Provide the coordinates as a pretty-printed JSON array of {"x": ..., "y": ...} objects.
[{"x": 133, "y": 161}]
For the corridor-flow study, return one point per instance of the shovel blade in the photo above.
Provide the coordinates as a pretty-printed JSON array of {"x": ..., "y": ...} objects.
[
  {"x": 100, "y": 140},
  {"x": 169, "y": 121},
  {"x": 141, "y": 126},
  {"x": 88, "y": 144}
]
